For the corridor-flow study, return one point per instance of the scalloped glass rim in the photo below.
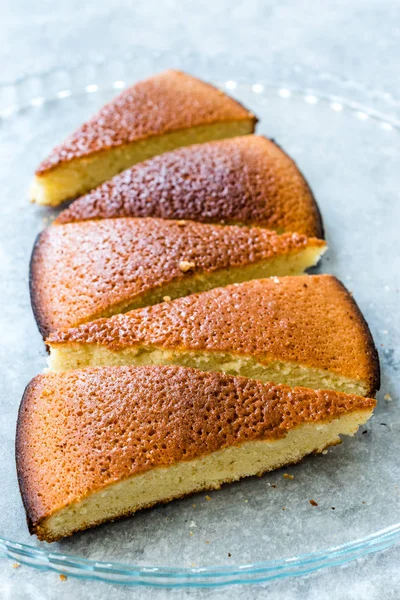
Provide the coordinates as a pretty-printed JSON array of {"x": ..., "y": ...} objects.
[
  {"x": 28, "y": 90},
  {"x": 161, "y": 577},
  {"x": 286, "y": 80}
]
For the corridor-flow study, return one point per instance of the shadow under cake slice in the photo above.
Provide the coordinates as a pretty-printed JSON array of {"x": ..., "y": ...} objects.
[
  {"x": 98, "y": 444},
  {"x": 303, "y": 330}
]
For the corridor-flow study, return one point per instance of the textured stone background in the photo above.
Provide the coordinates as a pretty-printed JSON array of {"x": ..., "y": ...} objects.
[{"x": 358, "y": 39}]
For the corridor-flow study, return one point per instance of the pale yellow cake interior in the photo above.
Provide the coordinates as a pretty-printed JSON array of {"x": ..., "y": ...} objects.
[
  {"x": 209, "y": 472},
  {"x": 66, "y": 356},
  {"x": 293, "y": 263},
  {"x": 78, "y": 176}
]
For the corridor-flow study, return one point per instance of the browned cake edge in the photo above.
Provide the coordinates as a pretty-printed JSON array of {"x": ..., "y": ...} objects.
[
  {"x": 38, "y": 313},
  {"x": 375, "y": 368},
  {"x": 319, "y": 224},
  {"x": 19, "y": 453},
  {"x": 35, "y": 525}
]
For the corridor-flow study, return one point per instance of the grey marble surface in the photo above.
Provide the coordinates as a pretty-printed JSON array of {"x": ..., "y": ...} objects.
[{"x": 358, "y": 40}]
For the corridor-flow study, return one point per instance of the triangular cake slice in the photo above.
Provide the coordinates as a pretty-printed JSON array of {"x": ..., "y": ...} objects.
[
  {"x": 97, "y": 444},
  {"x": 82, "y": 271},
  {"x": 158, "y": 114},
  {"x": 245, "y": 180},
  {"x": 304, "y": 330}
]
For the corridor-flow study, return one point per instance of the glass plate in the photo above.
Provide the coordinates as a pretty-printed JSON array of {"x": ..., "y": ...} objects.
[{"x": 346, "y": 141}]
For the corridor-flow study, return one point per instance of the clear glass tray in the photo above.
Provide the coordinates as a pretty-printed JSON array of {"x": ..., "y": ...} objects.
[{"x": 346, "y": 141}]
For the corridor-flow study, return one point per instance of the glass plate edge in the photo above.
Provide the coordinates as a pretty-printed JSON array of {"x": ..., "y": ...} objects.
[{"x": 34, "y": 90}]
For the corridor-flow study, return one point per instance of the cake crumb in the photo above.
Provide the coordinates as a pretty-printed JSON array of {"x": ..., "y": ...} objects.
[
  {"x": 207, "y": 541},
  {"x": 63, "y": 577},
  {"x": 190, "y": 533},
  {"x": 388, "y": 398},
  {"x": 313, "y": 503},
  {"x": 193, "y": 505},
  {"x": 185, "y": 266},
  {"x": 167, "y": 298},
  {"x": 16, "y": 565},
  {"x": 181, "y": 223},
  {"x": 287, "y": 476},
  {"x": 207, "y": 498},
  {"x": 246, "y": 500}
]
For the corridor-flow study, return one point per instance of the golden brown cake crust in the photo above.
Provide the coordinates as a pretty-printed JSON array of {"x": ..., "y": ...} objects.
[
  {"x": 120, "y": 421},
  {"x": 309, "y": 320},
  {"x": 169, "y": 101},
  {"x": 247, "y": 180},
  {"x": 79, "y": 270}
]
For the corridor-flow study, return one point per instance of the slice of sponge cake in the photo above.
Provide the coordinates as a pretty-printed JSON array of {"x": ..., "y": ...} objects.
[
  {"x": 98, "y": 444},
  {"x": 245, "y": 180},
  {"x": 161, "y": 113},
  {"x": 304, "y": 330},
  {"x": 82, "y": 271}
]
